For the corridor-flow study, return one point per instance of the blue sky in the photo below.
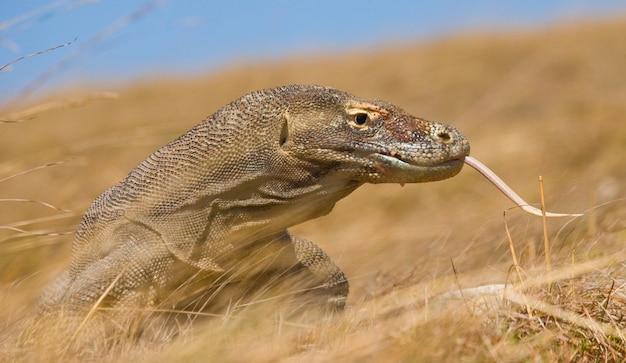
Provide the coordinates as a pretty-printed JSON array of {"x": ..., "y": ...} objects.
[{"x": 118, "y": 41}]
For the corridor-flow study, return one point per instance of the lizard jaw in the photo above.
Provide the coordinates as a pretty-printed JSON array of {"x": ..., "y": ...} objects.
[{"x": 395, "y": 170}]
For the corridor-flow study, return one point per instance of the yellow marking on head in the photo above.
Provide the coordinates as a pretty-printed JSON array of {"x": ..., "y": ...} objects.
[{"x": 359, "y": 107}]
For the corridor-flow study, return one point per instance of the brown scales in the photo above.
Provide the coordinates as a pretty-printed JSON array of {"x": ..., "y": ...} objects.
[{"x": 214, "y": 204}]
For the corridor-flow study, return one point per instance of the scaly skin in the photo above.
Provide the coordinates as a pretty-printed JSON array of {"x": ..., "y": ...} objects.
[{"x": 213, "y": 206}]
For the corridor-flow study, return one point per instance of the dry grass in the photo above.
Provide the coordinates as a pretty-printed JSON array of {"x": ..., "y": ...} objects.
[{"x": 551, "y": 103}]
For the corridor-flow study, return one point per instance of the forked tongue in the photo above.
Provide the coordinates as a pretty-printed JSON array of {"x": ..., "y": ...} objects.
[{"x": 492, "y": 177}]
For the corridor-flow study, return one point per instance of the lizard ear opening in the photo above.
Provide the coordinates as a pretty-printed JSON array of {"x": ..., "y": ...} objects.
[{"x": 284, "y": 133}]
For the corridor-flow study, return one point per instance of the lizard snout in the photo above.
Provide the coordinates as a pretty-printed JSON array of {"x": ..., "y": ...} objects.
[{"x": 452, "y": 138}]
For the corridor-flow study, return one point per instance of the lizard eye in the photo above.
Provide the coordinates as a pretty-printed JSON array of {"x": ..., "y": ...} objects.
[
  {"x": 361, "y": 118},
  {"x": 364, "y": 117},
  {"x": 363, "y": 121}
]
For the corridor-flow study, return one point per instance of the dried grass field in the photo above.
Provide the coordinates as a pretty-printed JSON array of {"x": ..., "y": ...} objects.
[{"x": 430, "y": 265}]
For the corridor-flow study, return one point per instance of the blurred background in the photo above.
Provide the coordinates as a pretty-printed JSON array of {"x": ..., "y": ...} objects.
[
  {"x": 121, "y": 41},
  {"x": 88, "y": 89},
  {"x": 537, "y": 87}
]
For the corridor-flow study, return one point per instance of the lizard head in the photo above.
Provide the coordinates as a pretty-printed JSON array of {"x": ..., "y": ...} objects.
[{"x": 371, "y": 141}]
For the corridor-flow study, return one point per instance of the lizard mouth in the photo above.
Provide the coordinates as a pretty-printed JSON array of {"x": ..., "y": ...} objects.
[
  {"x": 397, "y": 160},
  {"x": 394, "y": 169}
]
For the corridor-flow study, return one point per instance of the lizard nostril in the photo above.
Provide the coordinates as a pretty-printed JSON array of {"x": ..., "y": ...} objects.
[{"x": 444, "y": 136}]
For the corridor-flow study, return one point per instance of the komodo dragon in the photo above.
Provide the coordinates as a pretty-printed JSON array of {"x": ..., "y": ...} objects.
[{"x": 218, "y": 199}]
